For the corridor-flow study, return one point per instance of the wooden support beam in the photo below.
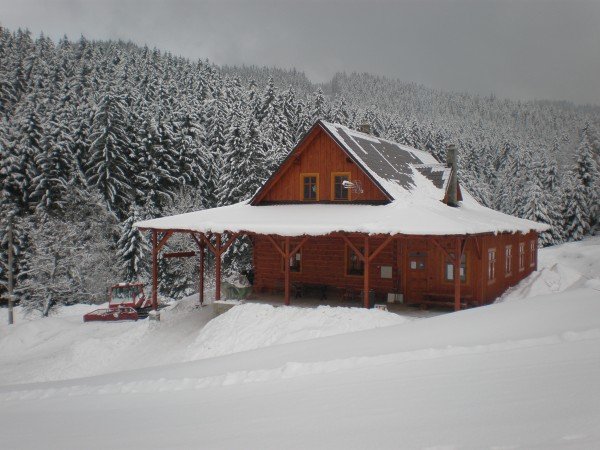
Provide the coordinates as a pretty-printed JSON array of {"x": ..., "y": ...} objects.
[
  {"x": 218, "y": 267},
  {"x": 201, "y": 277},
  {"x": 209, "y": 245},
  {"x": 458, "y": 246},
  {"x": 381, "y": 247},
  {"x": 366, "y": 273},
  {"x": 287, "y": 270},
  {"x": 353, "y": 247},
  {"x": 282, "y": 252},
  {"x": 179, "y": 254},
  {"x": 298, "y": 247},
  {"x": 230, "y": 241},
  {"x": 438, "y": 245},
  {"x": 163, "y": 240},
  {"x": 477, "y": 247},
  {"x": 154, "y": 269}
]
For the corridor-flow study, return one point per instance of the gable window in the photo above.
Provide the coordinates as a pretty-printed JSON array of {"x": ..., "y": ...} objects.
[
  {"x": 354, "y": 265},
  {"x": 310, "y": 187},
  {"x": 508, "y": 260},
  {"x": 491, "y": 265},
  {"x": 449, "y": 272},
  {"x": 521, "y": 256},
  {"x": 417, "y": 260},
  {"x": 295, "y": 261},
  {"x": 533, "y": 252},
  {"x": 338, "y": 190}
]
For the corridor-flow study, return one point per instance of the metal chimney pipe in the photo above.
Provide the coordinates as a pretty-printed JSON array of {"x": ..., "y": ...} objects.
[
  {"x": 365, "y": 128},
  {"x": 452, "y": 163}
]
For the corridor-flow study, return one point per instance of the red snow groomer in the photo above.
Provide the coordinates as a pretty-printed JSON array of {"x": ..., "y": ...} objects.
[{"x": 126, "y": 302}]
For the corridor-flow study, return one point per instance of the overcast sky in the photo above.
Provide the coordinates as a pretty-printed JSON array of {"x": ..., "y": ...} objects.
[{"x": 517, "y": 49}]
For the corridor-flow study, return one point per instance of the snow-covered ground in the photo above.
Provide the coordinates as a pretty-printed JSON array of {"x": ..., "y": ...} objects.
[{"x": 522, "y": 373}]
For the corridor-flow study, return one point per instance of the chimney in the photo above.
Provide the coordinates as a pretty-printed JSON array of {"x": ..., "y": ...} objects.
[
  {"x": 364, "y": 128},
  {"x": 452, "y": 163}
]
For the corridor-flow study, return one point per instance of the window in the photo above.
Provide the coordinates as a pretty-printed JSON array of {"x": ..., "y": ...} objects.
[
  {"x": 416, "y": 260},
  {"x": 338, "y": 190},
  {"x": 492, "y": 265},
  {"x": 449, "y": 272},
  {"x": 310, "y": 187},
  {"x": 521, "y": 256},
  {"x": 508, "y": 260},
  {"x": 295, "y": 260},
  {"x": 532, "y": 252},
  {"x": 354, "y": 265}
]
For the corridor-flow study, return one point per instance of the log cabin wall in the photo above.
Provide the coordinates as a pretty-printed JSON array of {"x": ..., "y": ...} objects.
[
  {"x": 323, "y": 262},
  {"x": 324, "y": 259},
  {"x": 504, "y": 279},
  {"x": 320, "y": 155}
]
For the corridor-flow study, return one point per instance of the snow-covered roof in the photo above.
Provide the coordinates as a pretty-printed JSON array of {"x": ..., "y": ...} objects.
[
  {"x": 431, "y": 218},
  {"x": 413, "y": 179},
  {"x": 398, "y": 169}
]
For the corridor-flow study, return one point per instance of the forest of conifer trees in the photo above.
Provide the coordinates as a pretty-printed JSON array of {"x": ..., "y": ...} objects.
[{"x": 95, "y": 135}]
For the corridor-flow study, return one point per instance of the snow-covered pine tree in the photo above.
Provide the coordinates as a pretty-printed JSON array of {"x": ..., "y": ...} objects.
[
  {"x": 588, "y": 176},
  {"x": 132, "y": 248},
  {"x": 56, "y": 166},
  {"x": 109, "y": 147},
  {"x": 576, "y": 210}
]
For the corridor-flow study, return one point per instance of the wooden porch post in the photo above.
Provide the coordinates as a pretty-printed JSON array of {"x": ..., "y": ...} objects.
[
  {"x": 201, "y": 276},
  {"x": 218, "y": 267},
  {"x": 457, "y": 258},
  {"x": 366, "y": 273},
  {"x": 287, "y": 270},
  {"x": 154, "y": 269}
]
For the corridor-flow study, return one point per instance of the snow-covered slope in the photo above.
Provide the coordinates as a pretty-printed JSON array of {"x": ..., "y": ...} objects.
[{"x": 522, "y": 373}]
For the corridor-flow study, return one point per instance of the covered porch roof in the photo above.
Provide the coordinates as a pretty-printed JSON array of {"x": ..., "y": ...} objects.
[{"x": 428, "y": 217}]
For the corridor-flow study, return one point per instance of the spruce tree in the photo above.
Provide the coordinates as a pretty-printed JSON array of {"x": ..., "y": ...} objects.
[{"x": 108, "y": 149}]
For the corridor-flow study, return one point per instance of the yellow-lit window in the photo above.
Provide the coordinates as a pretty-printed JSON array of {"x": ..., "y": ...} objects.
[{"x": 532, "y": 252}]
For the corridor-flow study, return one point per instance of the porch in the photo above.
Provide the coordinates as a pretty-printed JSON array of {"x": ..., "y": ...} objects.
[{"x": 344, "y": 269}]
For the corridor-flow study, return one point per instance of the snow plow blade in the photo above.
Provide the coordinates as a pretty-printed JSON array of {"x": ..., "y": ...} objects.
[{"x": 111, "y": 315}]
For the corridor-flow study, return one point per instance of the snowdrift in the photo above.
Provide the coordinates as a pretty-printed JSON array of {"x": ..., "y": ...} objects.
[{"x": 522, "y": 373}]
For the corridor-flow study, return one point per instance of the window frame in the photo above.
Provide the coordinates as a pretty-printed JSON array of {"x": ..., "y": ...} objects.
[
  {"x": 463, "y": 265},
  {"x": 332, "y": 196},
  {"x": 491, "y": 266},
  {"x": 417, "y": 256},
  {"x": 302, "y": 177},
  {"x": 532, "y": 252},
  {"x": 521, "y": 256},
  {"x": 346, "y": 261},
  {"x": 508, "y": 260}
]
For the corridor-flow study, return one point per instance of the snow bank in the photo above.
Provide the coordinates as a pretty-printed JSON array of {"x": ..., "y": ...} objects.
[
  {"x": 560, "y": 268},
  {"x": 63, "y": 347},
  {"x": 251, "y": 326}
]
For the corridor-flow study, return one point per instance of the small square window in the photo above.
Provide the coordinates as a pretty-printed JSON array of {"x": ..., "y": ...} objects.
[{"x": 417, "y": 260}]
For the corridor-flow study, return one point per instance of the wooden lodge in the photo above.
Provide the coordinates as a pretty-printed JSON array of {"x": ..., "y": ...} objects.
[{"x": 351, "y": 215}]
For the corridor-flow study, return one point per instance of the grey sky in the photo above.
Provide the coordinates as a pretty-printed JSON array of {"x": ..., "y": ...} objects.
[{"x": 517, "y": 49}]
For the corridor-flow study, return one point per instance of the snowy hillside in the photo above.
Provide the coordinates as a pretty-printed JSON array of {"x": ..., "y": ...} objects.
[{"x": 522, "y": 373}]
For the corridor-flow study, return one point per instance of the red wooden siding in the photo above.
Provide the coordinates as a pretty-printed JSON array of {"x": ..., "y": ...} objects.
[
  {"x": 319, "y": 154},
  {"x": 324, "y": 262}
]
